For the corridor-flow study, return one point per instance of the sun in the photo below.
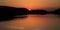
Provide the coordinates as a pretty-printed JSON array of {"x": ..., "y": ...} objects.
[
  {"x": 29, "y": 9},
  {"x": 29, "y": 6}
]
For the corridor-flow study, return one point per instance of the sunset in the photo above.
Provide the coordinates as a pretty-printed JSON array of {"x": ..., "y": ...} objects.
[
  {"x": 29, "y": 14},
  {"x": 31, "y": 4}
]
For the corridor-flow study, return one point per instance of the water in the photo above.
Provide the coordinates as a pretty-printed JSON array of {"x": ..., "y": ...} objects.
[{"x": 32, "y": 22}]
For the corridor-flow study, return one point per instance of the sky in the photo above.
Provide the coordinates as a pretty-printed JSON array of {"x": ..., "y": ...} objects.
[{"x": 32, "y": 4}]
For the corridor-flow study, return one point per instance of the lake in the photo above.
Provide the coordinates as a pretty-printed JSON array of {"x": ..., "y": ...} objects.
[{"x": 32, "y": 22}]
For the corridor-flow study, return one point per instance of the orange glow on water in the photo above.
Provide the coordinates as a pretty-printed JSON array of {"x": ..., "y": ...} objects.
[{"x": 32, "y": 22}]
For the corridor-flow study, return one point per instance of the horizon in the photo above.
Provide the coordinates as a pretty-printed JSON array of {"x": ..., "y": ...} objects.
[{"x": 31, "y": 9}]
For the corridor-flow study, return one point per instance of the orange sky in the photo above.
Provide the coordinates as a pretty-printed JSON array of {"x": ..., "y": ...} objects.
[{"x": 31, "y": 4}]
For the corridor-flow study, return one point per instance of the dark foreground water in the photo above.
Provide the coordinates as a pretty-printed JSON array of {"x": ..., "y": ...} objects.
[{"x": 32, "y": 22}]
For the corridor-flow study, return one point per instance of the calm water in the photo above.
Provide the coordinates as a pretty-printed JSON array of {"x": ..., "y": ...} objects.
[{"x": 32, "y": 22}]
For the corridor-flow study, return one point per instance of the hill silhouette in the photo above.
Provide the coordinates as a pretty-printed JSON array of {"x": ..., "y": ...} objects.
[
  {"x": 57, "y": 11},
  {"x": 8, "y": 13},
  {"x": 21, "y": 11},
  {"x": 38, "y": 12}
]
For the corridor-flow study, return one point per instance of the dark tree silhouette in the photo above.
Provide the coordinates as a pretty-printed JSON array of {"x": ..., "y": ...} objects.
[
  {"x": 8, "y": 13},
  {"x": 38, "y": 12}
]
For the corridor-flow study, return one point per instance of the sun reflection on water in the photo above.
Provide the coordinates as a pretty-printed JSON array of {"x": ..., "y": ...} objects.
[{"x": 32, "y": 22}]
